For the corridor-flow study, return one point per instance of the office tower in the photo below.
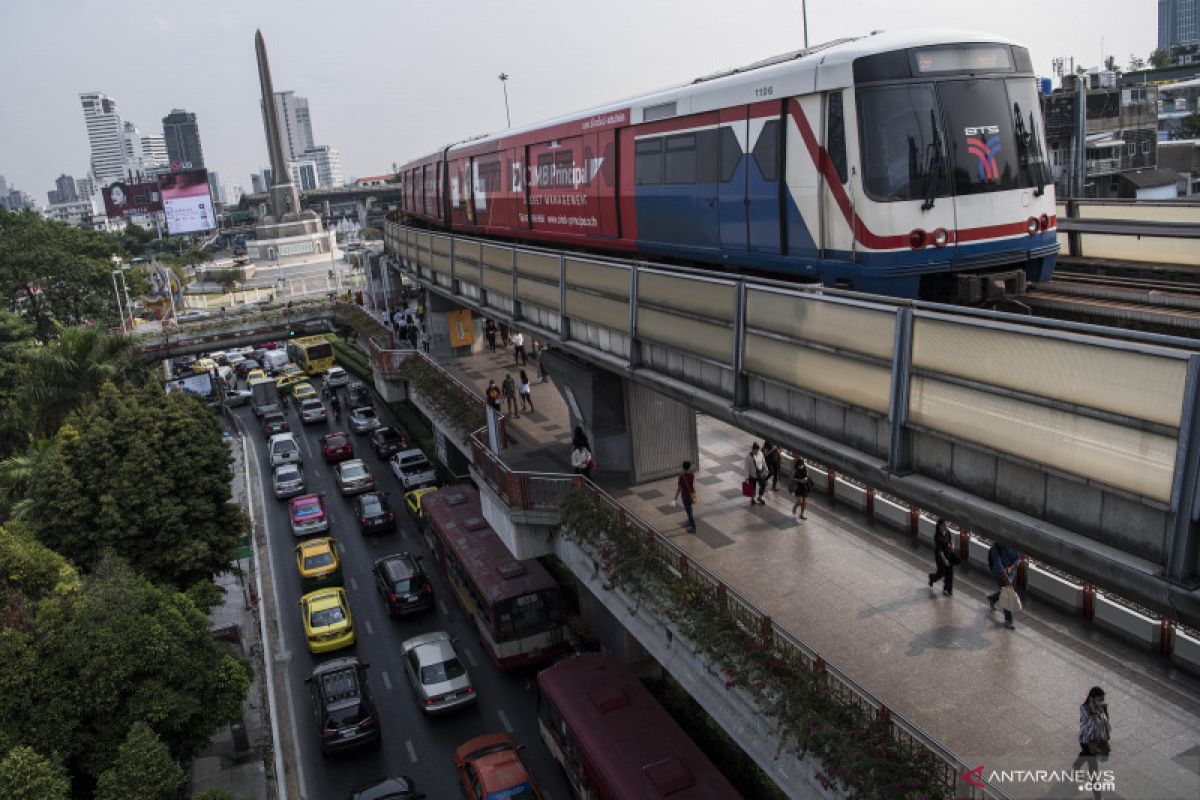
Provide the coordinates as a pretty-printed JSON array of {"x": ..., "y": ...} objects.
[
  {"x": 214, "y": 186},
  {"x": 304, "y": 174},
  {"x": 329, "y": 164},
  {"x": 85, "y": 187},
  {"x": 182, "y": 136},
  {"x": 106, "y": 136},
  {"x": 232, "y": 193},
  {"x": 295, "y": 124},
  {"x": 1178, "y": 23},
  {"x": 154, "y": 150},
  {"x": 66, "y": 187},
  {"x": 3, "y": 186}
]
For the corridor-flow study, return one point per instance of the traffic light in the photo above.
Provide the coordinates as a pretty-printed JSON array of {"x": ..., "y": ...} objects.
[{"x": 291, "y": 333}]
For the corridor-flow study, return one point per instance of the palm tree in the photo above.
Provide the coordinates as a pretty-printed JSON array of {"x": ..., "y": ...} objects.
[
  {"x": 16, "y": 476},
  {"x": 68, "y": 372}
]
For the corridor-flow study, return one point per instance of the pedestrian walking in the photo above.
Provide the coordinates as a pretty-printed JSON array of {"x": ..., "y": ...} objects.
[
  {"x": 1094, "y": 727},
  {"x": 773, "y": 455},
  {"x": 504, "y": 334},
  {"x": 412, "y": 334},
  {"x": 524, "y": 390},
  {"x": 756, "y": 475},
  {"x": 685, "y": 490},
  {"x": 801, "y": 486},
  {"x": 1003, "y": 560},
  {"x": 580, "y": 439},
  {"x": 489, "y": 332},
  {"x": 518, "y": 340},
  {"x": 424, "y": 340},
  {"x": 509, "y": 390},
  {"x": 492, "y": 393},
  {"x": 582, "y": 461},
  {"x": 944, "y": 559}
]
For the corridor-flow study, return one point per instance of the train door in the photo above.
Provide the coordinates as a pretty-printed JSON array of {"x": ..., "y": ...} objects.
[
  {"x": 731, "y": 188},
  {"x": 765, "y": 169}
]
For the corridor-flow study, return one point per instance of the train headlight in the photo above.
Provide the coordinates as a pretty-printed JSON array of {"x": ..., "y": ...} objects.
[
  {"x": 917, "y": 239},
  {"x": 1045, "y": 222},
  {"x": 1032, "y": 225},
  {"x": 940, "y": 237}
]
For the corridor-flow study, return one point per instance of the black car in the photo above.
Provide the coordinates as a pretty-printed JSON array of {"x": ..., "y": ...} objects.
[
  {"x": 182, "y": 365},
  {"x": 403, "y": 584},
  {"x": 244, "y": 366},
  {"x": 274, "y": 423},
  {"x": 357, "y": 395},
  {"x": 401, "y": 788},
  {"x": 346, "y": 715},
  {"x": 388, "y": 441},
  {"x": 373, "y": 513}
]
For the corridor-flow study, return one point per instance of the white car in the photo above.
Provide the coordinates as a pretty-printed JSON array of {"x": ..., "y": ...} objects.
[
  {"x": 363, "y": 420},
  {"x": 289, "y": 481},
  {"x": 335, "y": 377},
  {"x": 284, "y": 450},
  {"x": 436, "y": 674},
  {"x": 313, "y": 410},
  {"x": 413, "y": 469},
  {"x": 192, "y": 314},
  {"x": 237, "y": 397}
]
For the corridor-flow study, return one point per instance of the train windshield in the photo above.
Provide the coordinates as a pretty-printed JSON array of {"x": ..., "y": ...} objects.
[{"x": 928, "y": 140}]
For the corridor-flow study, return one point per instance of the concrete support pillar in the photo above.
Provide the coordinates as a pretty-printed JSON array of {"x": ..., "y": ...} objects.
[
  {"x": 1185, "y": 489},
  {"x": 637, "y": 434},
  {"x": 437, "y": 317},
  {"x": 899, "y": 454}
]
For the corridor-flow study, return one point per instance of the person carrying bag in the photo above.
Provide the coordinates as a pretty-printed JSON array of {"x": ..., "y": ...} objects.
[{"x": 1094, "y": 727}]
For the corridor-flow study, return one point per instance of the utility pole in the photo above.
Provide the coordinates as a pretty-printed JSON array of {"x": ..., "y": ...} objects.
[
  {"x": 804, "y": 16},
  {"x": 1080, "y": 135},
  {"x": 503, "y": 76}
]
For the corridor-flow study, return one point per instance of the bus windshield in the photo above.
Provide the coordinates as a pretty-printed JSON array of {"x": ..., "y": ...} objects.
[{"x": 519, "y": 614}]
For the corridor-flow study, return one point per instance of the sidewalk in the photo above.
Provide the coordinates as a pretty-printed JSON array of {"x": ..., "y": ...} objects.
[
  {"x": 1006, "y": 699},
  {"x": 236, "y": 759}
]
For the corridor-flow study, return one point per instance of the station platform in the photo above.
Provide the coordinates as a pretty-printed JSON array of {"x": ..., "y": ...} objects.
[{"x": 858, "y": 593}]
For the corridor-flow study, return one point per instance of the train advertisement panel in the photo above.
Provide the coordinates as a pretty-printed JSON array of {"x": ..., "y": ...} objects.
[
  {"x": 125, "y": 199},
  {"x": 186, "y": 201}
]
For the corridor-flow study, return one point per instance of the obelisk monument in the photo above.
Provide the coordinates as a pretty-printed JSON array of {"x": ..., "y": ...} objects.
[{"x": 287, "y": 230}]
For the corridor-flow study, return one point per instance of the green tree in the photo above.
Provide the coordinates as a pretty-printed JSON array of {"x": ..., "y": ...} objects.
[
  {"x": 55, "y": 273},
  {"x": 1136, "y": 62},
  {"x": 1189, "y": 126},
  {"x": 119, "y": 651},
  {"x": 1160, "y": 58},
  {"x": 144, "y": 769},
  {"x": 30, "y": 567},
  {"x": 146, "y": 474},
  {"x": 26, "y": 775},
  {"x": 16, "y": 478},
  {"x": 16, "y": 339},
  {"x": 227, "y": 278},
  {"x": 135, "y": 240},
  {"x": 68, "y": 373}
]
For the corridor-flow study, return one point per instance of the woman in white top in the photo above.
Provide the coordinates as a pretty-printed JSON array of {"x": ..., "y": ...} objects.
[
  {"x": 756, "y": 473},
  {"x": 581, "y": 461},
  {"x": 525, "y": 392}
]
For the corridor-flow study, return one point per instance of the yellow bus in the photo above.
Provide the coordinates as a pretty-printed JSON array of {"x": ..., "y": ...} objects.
[{"x": 313, "y": 354}]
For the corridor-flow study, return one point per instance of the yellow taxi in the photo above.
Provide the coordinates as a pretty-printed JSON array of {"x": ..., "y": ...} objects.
[
  {"x": 412, "y": 502},
  {"x": 291, "y": 369},
  {"x": 327, "y": 622},
  {"x": 204, "y": 365},
  {"x": 304, "y": 391},
  {"x": 285, "y": 383},
  {"x": 255, "y": 375},
  {"x": 318, "y": 563}
]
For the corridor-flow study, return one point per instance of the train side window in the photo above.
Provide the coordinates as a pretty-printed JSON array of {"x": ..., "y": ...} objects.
[
  {"x": 731, "y": 154},
  {"x": 766, "y": 151},
  {"x": 681, "y": 159},
  {"x": 648, "y": 168},
  {"x": 835, "y": 137},
  {"x": 708, "y": 165},
  {"x": 564, "y": 159}
]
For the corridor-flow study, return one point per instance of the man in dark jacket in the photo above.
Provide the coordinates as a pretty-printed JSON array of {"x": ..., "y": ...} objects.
[{"x": 1003, "y": 560}]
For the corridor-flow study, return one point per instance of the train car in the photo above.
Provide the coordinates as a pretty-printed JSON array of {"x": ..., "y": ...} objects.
[
  {"x": 516, "y": 605},
  {"x": 907, "y": 164},
  {"x": 614, "y": 740}
]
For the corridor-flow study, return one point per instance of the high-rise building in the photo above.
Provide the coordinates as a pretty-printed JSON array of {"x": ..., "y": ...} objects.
[
  {"x": 85, "y": 187},
  {"x": 182, "y": 136},
  {"x": 214, "y": 187},
  {"x": 66, "y": 187},
  {"x": 261, "y": 181},
  {"x": 232, "y": 193},
  {"x": 154, "y": 150},
  {"x": 329, "y": 164},
  {"x": 1178, "y": 23},
  {"x": 3, "y": 186},
  {"x": 294, "y": 123},
  {"x": 106, "y": 136},
  {"x": 304, "y": 174}
]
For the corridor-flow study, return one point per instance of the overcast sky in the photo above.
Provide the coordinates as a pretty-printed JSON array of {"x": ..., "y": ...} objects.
[{"x": 390, "y": 79}]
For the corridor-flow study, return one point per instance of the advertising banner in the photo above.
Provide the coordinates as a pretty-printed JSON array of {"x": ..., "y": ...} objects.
[
  {"x": 462, "y": 332},
  {"x": 199, "y": 384},
  {"x": 186, "y": 201},
  {"x": 125, "y": 199}
]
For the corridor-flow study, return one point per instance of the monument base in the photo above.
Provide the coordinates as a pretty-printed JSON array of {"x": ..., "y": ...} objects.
[{"x": 288, "y": 248}]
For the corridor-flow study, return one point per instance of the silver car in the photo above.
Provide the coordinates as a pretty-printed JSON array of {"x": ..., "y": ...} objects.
[
  {"x": 363, "y": 420},
  {"x": 289, "y": 481},
  {"x": 437, "y": 675},
  {"x": 237, "y": 397},
  {"x": 353, "y": 477},
  {"x": 335, "y": 377},
  {"x": 313, "y": 410}
]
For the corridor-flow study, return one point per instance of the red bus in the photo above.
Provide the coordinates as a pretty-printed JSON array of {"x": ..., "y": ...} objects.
[
  {"x": 614, "y": 740},
  {"x": 516, "y": 605}
]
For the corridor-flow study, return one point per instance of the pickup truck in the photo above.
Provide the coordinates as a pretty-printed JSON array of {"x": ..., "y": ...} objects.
[{"x": 264, "y": 397}]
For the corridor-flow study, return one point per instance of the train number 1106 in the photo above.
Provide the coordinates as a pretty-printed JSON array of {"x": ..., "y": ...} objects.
[{"x": 764, "y": 91}]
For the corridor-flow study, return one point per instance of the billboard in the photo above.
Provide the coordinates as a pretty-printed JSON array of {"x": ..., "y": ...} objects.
[
  {"x": 124, "y": 199},
  {"x": 186, "y": 201},
  {"x": 199, "y": 384}
]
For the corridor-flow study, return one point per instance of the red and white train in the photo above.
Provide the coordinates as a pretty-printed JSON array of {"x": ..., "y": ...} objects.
[{"x": 891, "y": 163}]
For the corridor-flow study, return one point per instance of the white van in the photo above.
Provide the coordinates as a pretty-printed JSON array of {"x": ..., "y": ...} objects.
[
  {"x": 227, "y": 377},
  {"x": 284, "y": 450},
  {"x": 274, "y": 360}
]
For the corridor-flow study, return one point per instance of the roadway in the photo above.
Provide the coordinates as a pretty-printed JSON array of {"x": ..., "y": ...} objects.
[{"x": 413, "y": 744}]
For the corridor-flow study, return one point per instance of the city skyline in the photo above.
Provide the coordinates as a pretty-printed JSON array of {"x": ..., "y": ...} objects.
[{"x": 378, "y": 100}]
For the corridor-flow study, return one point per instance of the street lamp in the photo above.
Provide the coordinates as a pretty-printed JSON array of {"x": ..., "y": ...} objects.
[
  {"x": 503, "y": 76},
  {"x": 804, "y": 17}
]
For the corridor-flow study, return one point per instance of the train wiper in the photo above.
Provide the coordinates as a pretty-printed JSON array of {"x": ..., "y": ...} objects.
[
  {"x": 1025, "y": 146},
  {"x": 934, "y": 162}
]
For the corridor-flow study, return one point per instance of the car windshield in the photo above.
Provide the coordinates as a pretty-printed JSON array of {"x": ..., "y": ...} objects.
[
  {"x": 353, "y": 471},
  {"x": 312, "y": 405},
  {"x": 523, "y": 791},
  {"x": 440, "y": 673},
  {"x": 386, "y": 436},
  {"x": 326, "y": 616},
  {"x": 310, "y": 509},
  {"x": 285, "y": 446},
  {"x": 342, "y": 716},
  {"x": 288, "y": 474},
  {"x": 318, "y": 560},
  {"x": 365, "y": 414},
  {"x": 371, "y": 505},
  {"x": 411, "y": 467}
]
